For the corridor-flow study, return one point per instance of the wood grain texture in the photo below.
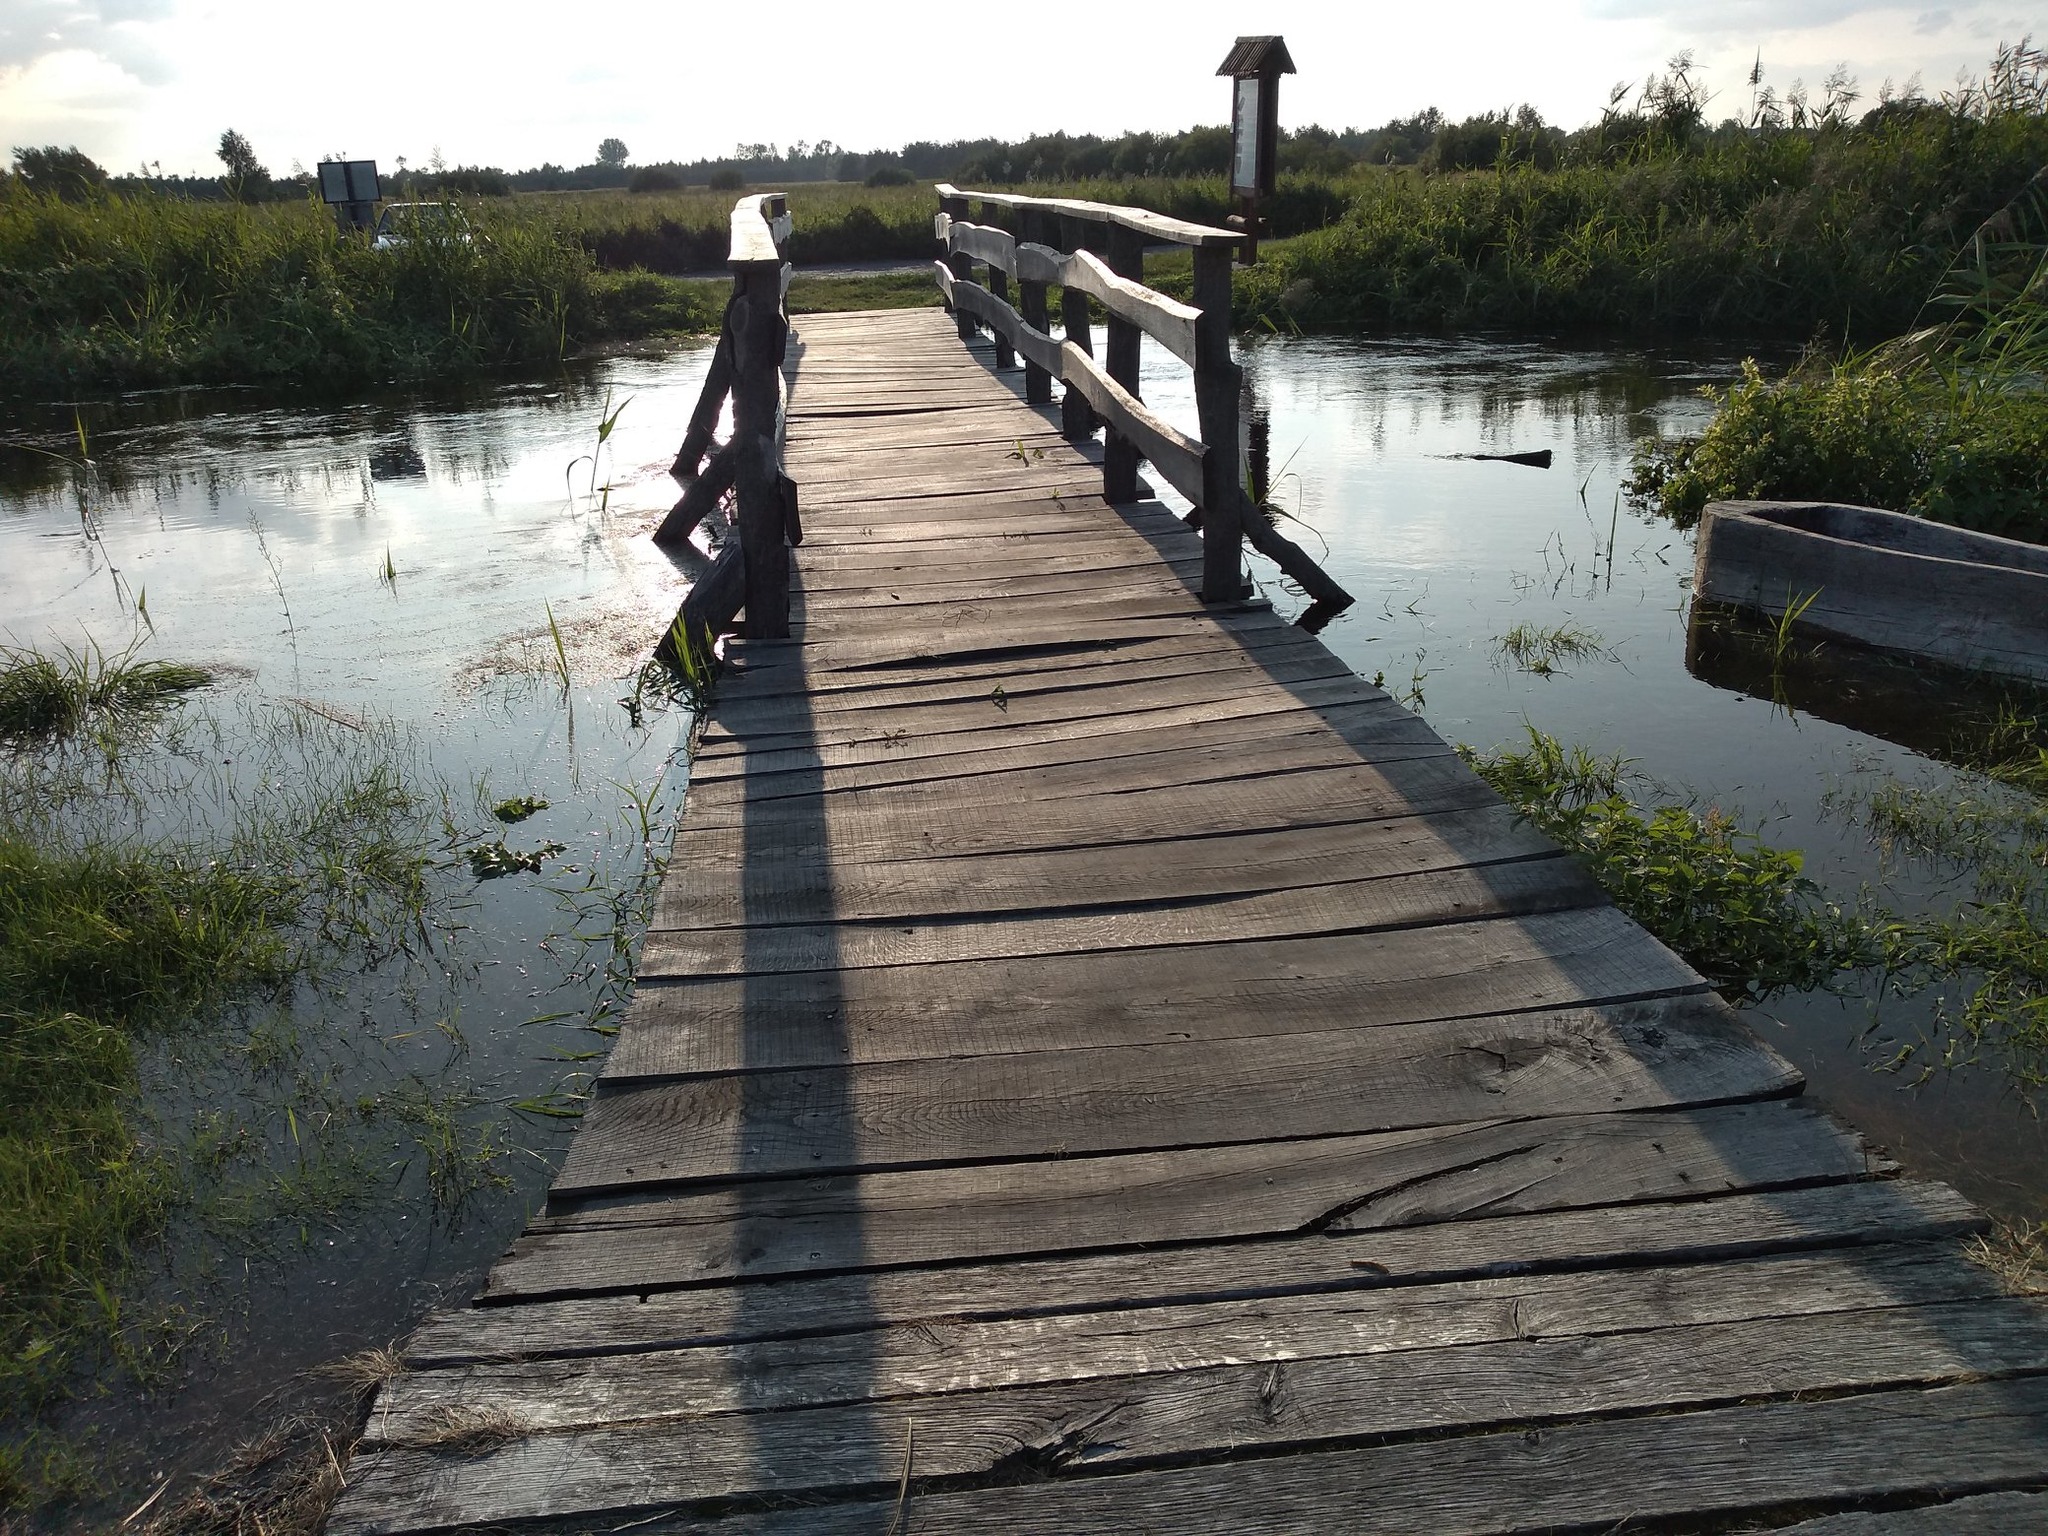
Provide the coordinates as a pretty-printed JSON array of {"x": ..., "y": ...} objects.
[
  {"x": 1683, "y": 1050},
  {"x": 1202, "y": 1194},
  {"x": 937, "y": 1358},
  {"x": 1598, "y": 1475},
  {"x": 1130, "y": 1422},
  {"x": 1870, "y": 1213},
  {"x": 1095, "y": 1040}
]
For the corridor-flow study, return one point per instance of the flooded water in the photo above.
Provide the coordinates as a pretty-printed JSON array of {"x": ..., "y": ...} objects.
[
  {"x": 379, "y": 586},
  {"x": 1447, "y": 554},
  {"x": 411, "y": 577}
]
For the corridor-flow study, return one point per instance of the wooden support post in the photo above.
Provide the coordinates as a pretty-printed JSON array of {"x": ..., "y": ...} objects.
[
  {"x": 710, "y": 404},
  {"x": 1037, "y": 381},
  {"x": 700, "y": 495},
  {"x": 1216, "y": 390},
  {"x": 1119, "y": 457},
  {"x": 999, "y": 286},
  {"x": 955, "y": 208},
  {"x": 759, "y": 334},
  {"x": 1076, "y": 419}
]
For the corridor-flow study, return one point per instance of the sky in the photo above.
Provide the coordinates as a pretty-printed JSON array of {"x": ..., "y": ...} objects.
[{"x": 514, "y": 83}]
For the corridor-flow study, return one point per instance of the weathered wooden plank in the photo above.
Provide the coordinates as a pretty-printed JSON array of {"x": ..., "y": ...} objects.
[
  {"x": 1984, "y": 1514},
  {"x": 1871, "y": 1213},
  {"x": 1365, "y": 727},
  {"x": 983, "y": 242},
  {"x": 1342, "y": 711},
  {"x": 1167, "y": 321},
  {"x": 1393, "y": 901},
  {"x": 1139, "y": 997},
  {"x": 1123, "y": 766},
  {"x": 1670, "y": 1052},
  {"x": 711, "y": 894},
  {"x": 1599, "y": 1475},
  {"x": 894, "y": 821},
  {"x": 1153, "y": 226},
  {"x": 1126, "y": 651},
  {"x": 1133, "y": 1421},
  {"x": 1176, "y": 456},
  {"x": 1098, "y": 707},
  {"x": 1130, "y": 1200},
  {"x": 928, "y": 1357}
]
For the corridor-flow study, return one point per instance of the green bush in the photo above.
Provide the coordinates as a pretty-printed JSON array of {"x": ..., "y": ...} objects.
[
  {"x": 1974, "y": 457},
  {"x": 1785, "y": 233},
  {"x": 139, "y": 291}
]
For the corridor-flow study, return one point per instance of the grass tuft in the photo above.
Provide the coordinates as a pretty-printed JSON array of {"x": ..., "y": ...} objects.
[
  {"x": 1740, "y": 912},
  {"x": 47, "y": 698},
  {"x": 1543, "y": 652}
]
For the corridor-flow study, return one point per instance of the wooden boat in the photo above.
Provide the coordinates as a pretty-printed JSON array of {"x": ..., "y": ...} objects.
[{"x": 1882, "y": 579}]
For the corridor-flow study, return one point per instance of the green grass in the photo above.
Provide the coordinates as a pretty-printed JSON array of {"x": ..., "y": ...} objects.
[
  {"x": 130, "y": 291},
  {"x": 1739, "y": 911},
  {"x": 1744, "y": 914},
  {"x": 1786, "y": 233},
  {"x": 1544, "y": 652},
  {"x": 1867, "y": 433},
  {"x": 49, "y": 697},
  {"x": 152, "y": 910},
  {"x": 881, "y": 290},
  {"x": 1949, "y": 421}
]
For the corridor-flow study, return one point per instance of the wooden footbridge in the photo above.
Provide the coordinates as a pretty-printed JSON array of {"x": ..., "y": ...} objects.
[{"x": 1099, "y": 1066}]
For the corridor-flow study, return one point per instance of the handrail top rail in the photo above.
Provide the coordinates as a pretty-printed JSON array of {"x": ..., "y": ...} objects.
[
  {"x": 760, "y": 225},
  {"x": 1156, "y": 225}
]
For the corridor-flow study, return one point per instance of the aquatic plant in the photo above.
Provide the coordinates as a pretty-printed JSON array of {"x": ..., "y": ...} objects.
[
  {"x": 45, "y": 697},
  {"x": 1739, "y": 911},
  {"x": 113, "y": 941},
  {"x": 1744, "y": 914},
  {"x": 1532, "y": 648}
]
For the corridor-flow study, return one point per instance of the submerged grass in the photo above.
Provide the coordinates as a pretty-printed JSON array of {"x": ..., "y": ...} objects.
[
  {"x": 1544, "y": 651},
  {"x": 1744, "y": 914},
  {"x": 46, "y": 697},
  {"x": 146, "y": 900},
  {"x": 1738, "y": 910}
]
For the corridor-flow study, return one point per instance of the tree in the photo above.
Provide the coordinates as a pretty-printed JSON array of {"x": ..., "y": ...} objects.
[
  {"x": 65, "y": 173},
  {"x": 246, "y": 176},
  {"x": 612, "y": 152}
]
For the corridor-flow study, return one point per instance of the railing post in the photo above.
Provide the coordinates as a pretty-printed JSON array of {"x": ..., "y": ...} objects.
[
  {"x": 1076, "y": 419},
  {"x": 999, "y": 286},
  {"x": 1120, "y": 458},
  {"x": 1216, "y": 395},
  {"x": 1037, "y": 382},
  {"x": 760, "y": 335},
  {"x": 955, "y": 208}
]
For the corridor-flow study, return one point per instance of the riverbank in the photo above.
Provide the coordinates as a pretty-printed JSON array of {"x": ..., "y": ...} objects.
[{"x": 1647, "y": 224}]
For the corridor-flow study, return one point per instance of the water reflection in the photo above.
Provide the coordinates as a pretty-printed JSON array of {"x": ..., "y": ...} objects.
[
  {"x": 392, "y": 570},
  {"x": 1940, "y": 712}
]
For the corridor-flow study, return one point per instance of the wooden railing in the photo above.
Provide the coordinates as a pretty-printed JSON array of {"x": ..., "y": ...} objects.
[
  {"x": 1095, "y": 254},
  {"x": 751, "y": 572}
]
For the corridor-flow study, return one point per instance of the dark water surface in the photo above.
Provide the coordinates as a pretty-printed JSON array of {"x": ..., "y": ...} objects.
[
  {"x": 256, "y": 539},
  {"x": 1446, "y": 555}
]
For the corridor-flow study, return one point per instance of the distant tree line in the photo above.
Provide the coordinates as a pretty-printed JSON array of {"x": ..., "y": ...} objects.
[{"x": 1666, "y": 114}]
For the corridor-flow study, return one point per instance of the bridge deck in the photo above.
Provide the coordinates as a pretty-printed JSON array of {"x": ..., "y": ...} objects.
[{"x": 1101, "y": 1066}]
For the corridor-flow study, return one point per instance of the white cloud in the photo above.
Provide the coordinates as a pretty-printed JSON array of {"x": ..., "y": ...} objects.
[{"x": 521, "y": 81}]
